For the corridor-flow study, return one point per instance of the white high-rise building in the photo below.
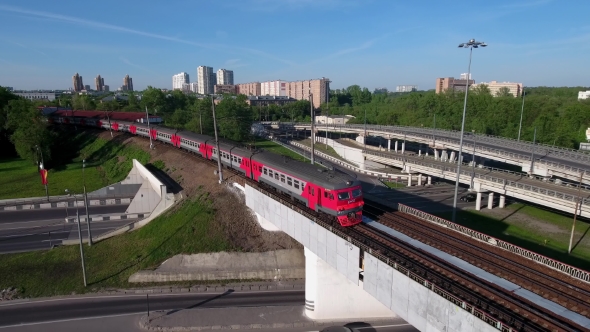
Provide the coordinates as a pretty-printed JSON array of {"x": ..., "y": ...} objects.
[
  {"x": 178, "y": 80},
  {"x": 194, "y": 87},
  {"x": 205, "y": 74},
  {"x": 273, "y": 88},
  {"x": 225, "y": 77}
]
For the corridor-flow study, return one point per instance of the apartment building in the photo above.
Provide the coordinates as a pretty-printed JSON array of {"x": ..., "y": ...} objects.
[
  {"x": 583, "y": 95},
  {"x": 406, "y": 88},
  {"x": 127, "y": 83},
  {"x": 443, "y": 84},
  {"x": 225, "y": 77},
  {"x": 99, "y": 83},
  {"x": 494, "y": 86},
  {"x": 178, "y": 80},
  {"x": 206, "y": 80},
  {"x": 319, "y": 88},
  {"x": 77, "y": 83},
  {"x": 273, "y": 88},
  {"x": 249, "y": 89},
  {"x": 225, "y": 88}
]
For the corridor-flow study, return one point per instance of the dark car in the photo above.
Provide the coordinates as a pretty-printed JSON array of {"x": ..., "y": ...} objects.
[{"x": 469, "y": 198}]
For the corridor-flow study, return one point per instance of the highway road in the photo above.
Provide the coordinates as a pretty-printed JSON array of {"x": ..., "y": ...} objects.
[
  {"x": 31, "y": 313},
  {"x": 56, "y": 213}
]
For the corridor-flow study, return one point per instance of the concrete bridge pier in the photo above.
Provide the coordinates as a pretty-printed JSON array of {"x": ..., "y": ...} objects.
[
  {"x": 330, "y": 295},
  {"x": 395, "y": 146},
  {"x": 478, "y": 202},
  {"x": 420, "y": 180},
  {"x": 403, "y": 147},
  {"x": 502, "y": 201},
  {"x": 409, "y": 179},
  {"x": 443, "y": 155},
  {"x": 452, "y": 157},
  {"x": 491, "y": 200},
  {"x": 429, "y": 180},
  {"x": 389, "y": 144}
]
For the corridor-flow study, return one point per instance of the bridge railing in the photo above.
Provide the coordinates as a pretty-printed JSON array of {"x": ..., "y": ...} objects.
[
  {"x": 502, "y": 181},
  {"x": 549, "y": 262}
]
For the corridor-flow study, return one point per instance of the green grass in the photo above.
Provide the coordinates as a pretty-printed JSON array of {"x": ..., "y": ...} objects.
[
  {"x": 394, "y": 184},
  {"x": 159, "y": 164},
  {"x": 551, "y": 241},
  {"x": 188, "y": 229},
  {"x": 321, "y": 147},
  {"x": 278, "y": 149},
  {"x": 107, "y": 162}
]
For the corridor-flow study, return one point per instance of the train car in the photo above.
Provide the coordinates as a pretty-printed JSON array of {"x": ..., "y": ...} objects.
[{"x": 323, "y": 190}]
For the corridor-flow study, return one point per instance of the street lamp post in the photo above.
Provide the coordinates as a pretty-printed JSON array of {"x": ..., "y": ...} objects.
[
  {"x": 365, "y": 138},
  {"x": 147, "y": 119},
  {"x": 312, "y": 129},
  {"x": 473, "y": 159},
  {"x": 86, "y": 203},
  {"x": 80, "y": 237},
  {"x": 521, "y": 113},
  {"x": 471, "y": 44},
  {"x": 216, "y": 141}
]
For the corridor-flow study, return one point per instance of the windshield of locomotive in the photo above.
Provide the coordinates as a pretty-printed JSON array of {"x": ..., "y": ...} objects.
[{"x": 343, "y": 195}]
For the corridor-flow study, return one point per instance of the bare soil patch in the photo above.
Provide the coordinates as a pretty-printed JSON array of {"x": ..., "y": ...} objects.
[{"x": 194, "y": 175}]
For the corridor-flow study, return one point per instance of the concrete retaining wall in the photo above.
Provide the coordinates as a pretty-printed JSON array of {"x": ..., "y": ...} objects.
[
  {"x": 150, "y": 193},
  {"x": 273, "y": 265}
]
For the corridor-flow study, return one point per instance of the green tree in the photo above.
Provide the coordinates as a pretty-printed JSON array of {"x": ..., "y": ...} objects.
[
  {"x": 29, "y": 130},
  {"x": 504, "y": 92}
]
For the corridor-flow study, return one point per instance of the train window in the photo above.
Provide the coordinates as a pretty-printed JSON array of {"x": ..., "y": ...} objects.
[
  {"x": 265, "y": 172},
  {"x": 260, "y": 168},
  {"x": 343, "y": 195},
  {"x": 331, "y": 196},
  {"x": 270, "y": 173},
  {"x": 282, "y": 178},
  {"x": 276, "y": 176},
  {"x": 356, "y": 193},
  {"x": 309, "y": 190},
  {"x": 289, "y": 181},
  {"x": 296, "y": 184}
]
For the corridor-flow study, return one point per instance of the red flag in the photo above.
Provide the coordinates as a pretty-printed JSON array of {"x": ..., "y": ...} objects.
[{"x": 43, "y": 176}]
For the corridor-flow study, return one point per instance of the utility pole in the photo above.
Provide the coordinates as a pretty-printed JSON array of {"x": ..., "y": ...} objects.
[
  {"x": 578, "y": 203},
  {"x": 86, "y": 203},
  {"x": 80, "y": 237},
  {"x": 433, "y": 132},
  {"x": 365, "y": 138},
  {"x": 147, "y": 117},
  {"x": 521, "y": 113},
  {"x": 312, "y": 129},
  {"x": 327, "y": 115},
  {"x": 216, "y": 142},
  {"x": 533, "y": 152}
]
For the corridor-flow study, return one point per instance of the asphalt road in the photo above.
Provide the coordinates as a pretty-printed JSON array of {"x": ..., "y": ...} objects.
[
  {"x": 57, "y": 213},
  {"x": 34, "y": 312},
  {"x": 27, "y": 236}
]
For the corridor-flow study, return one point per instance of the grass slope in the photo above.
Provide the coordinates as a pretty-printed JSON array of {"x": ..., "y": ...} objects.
[
  {"x": 278, "y": 149},
  {"x": 107, "y": 161},
  {"x": 187, "y": 229}
]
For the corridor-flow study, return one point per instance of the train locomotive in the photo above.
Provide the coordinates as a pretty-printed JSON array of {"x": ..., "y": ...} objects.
[{"x": 323, "y": 190}]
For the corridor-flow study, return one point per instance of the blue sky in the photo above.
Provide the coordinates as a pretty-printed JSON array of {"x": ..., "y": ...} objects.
[{"x": 366, "y": 42}]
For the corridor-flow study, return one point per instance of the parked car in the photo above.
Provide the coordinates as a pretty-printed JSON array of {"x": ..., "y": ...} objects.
[{"x": 469, "y": 198}]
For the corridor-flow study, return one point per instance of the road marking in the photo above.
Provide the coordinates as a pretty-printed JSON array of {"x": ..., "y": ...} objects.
[
  {"x": 142, "y": 295},
  {"x": 41, "y": 233},
  {"x": 70, "y": 320}
]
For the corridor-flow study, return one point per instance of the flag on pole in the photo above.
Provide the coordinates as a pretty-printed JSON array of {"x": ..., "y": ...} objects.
[{"x": 43, "y": 173}]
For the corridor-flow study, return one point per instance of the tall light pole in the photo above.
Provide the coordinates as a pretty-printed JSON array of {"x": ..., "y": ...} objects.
[
  {"x": 216, "y": 141},
  {"x": 521, "y": 113},
  {"x": 312, "y": 129},
  {"x": 471, "y": 44},
  {"x": 80, "y": 237},
  {"x": 473, "y": 159},
  {"x": 365, "y": 138},
  {"x": 86, "y": 203},
  {"x": 147, "y": 118}
]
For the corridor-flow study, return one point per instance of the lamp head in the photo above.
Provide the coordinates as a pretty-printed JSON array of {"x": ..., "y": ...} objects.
[
  {"x": 461, "y": 45},
  {"x": 483, "y": 45}
]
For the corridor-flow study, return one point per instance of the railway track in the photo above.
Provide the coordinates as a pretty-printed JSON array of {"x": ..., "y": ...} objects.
[
  {"x": 552, "y": 285},
  {"x": 480, "y": 297}
]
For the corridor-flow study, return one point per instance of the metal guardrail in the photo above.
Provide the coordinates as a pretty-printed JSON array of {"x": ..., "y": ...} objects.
[
  {"x": 503, "y": 181},
  {"x": 59, "y": 199},
  {"x": 427, "y": 136},
  {"x": 549, "y": 262}
]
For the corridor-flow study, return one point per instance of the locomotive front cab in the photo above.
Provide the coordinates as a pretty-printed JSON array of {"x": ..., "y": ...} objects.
[{"x": 349, "y": 205}]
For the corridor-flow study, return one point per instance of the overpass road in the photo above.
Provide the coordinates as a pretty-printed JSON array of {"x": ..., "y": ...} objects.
[
  {"x": 15, "y": 314},
  {"x": 56, "y": 213},
  {"x": 548, "y": 161}
]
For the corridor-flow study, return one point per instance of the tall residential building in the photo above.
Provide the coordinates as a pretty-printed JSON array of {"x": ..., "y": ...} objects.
[
  {"x": 178, "y": 80},
  {"x": 248, "y": 89},
  {"x": 514, "y": 88},
  {"x": 225, "y": 77},
  {"x": 127, "y": 83},
  {"x": 273, "y": 88},
  {"x": 204, "y": 78},
  {"x": 225, "y": 88},
  {"x": 300, "y": 90},
  {"x": 446, "y": 83},
  {"x": 77, "y": 83},
  {"x": 99, "y": 83},
  {"x": 406, "y": 88},
  {"x": 194, "y": 87}
]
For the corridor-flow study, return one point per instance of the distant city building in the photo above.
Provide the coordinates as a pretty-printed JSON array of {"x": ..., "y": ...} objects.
[
  {"x": 248, "y": 89},
  {"x": 77, "y": 83},
  {"x": 380, "y": 91},
  {"x": 583, "y": 95},
  {"x": 9, "y": 88},
  {"x": 514, "y": 88},
  {"x": 33, "y": 95},
  {"x": 406, "y": 88},
  {"x": 464, "y": 76},
  {"x": 443, "y": 84},
  {"x": 300, "y": 90},
  {"x": 194, "y": 87},
  {"x": 99, "y": 83},
  {"x": 225, "y": 88},
  {"x": 225, "y": 77},
  {"x": 178, "y": 80},
  {"x": 205, "y": 78},
  {"x": 273, "y": 88},
  {"x": 105, "y": 88},
  {"x": 87, "y": 87},
  {"x": 127, "y": 84}
]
